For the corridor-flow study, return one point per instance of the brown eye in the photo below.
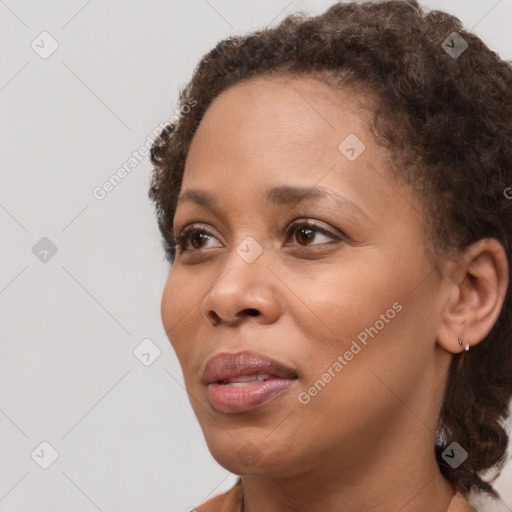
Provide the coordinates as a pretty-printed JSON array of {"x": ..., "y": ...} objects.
[
  {"x": 304, "y": 235},
  {"x": 306, "y": 232},
  {"x": 197, "y": 237}
]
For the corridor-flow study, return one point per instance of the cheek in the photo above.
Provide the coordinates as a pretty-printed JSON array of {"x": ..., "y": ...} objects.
[
  {"x": 176, "y": 307},
  {"x": 167, "y": 305},
  {"x": 183, "y": 320},
  {"x": 385, "y": 344},
  {"x": 339, "y": 299},
  {"x": 359, "y": 312}
]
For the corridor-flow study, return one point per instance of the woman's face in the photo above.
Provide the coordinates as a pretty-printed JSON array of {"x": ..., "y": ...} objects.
[{"x": 354, "y": 313}]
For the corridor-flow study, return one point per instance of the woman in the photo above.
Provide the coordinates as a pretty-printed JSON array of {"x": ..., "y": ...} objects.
[{"x": 336, "y": 206}]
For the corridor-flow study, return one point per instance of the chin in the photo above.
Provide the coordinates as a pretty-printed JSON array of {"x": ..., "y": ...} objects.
[{"x": 246, "y": 453}]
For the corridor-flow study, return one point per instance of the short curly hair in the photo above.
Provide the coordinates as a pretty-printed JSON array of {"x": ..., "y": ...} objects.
[{"x": 447, "y": 121}]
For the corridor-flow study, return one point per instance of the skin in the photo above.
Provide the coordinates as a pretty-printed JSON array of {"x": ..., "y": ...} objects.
[{"x": 365, "y": 441}]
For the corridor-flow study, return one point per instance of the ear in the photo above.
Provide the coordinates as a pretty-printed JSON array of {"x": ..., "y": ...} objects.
[{"x": 476, "y": 288}]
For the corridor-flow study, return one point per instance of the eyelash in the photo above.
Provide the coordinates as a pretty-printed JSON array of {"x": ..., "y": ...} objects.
[{"x": 180, "y": 240}]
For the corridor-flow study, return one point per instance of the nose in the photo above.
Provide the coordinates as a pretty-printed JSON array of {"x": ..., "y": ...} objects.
[{"x": 244, "y": 291}]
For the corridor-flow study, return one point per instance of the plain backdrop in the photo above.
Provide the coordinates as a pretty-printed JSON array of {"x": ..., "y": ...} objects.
[{"x": 81, "y": 277}]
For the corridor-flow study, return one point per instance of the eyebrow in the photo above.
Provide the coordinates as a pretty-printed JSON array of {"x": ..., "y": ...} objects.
[{"x": 284, "y": 195}]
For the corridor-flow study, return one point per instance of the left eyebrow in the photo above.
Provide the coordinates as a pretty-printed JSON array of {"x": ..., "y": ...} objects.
[
  {"x": 288, "y": 195},
  {"x": 283, "y": 195}
]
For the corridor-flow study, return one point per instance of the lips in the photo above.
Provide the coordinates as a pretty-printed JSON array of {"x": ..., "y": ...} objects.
[
  {"x": 227, "y": 367},
  {"x": 241, "y": 382}
]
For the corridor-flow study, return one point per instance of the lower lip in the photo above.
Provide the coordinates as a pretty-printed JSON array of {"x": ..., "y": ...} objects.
[{"x": 232, "y": 399}]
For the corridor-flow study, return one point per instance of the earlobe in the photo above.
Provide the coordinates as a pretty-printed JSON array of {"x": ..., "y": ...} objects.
[{"x": 477, "y": 287}]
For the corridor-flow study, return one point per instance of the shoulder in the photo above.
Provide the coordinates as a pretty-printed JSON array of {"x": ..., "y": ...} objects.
[
  {"x": 459, "y": 504},
  {"x": 483, "y": 502},
  {"x": 229, "y": 501}
]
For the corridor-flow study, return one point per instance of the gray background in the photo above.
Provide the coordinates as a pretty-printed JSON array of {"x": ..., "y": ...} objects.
[{"x": 125, "y": 434}]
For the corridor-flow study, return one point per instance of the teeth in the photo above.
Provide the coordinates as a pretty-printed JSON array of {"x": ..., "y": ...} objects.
[{"x": 243, "y": 380}]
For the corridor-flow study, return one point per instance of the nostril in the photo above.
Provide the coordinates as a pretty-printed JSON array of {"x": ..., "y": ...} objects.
[
  {"x": 214, "y": 318},
  {"x": 252, "y": 312}
]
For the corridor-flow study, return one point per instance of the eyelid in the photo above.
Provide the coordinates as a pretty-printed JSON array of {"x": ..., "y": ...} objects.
[
  {"x": 300, "y": 222},
  {"x": 318, "y": 226},
  {"x": 177, "y": 240}
]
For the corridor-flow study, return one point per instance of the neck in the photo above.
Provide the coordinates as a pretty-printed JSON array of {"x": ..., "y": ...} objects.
[{"x": 373, "y": 480}]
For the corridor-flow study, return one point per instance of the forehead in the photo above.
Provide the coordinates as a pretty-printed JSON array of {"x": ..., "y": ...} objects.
[
  {"x": 275, "y": 124},
  {"x": 296, "y": 109},
  {"x": 288, "y": 131}
]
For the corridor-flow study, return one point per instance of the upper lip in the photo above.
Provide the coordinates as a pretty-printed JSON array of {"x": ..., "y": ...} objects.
[{"x": 228, "y": 365}]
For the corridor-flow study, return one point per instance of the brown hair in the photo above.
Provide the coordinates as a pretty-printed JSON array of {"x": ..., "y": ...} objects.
[{"x": 447, "y": 121}]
